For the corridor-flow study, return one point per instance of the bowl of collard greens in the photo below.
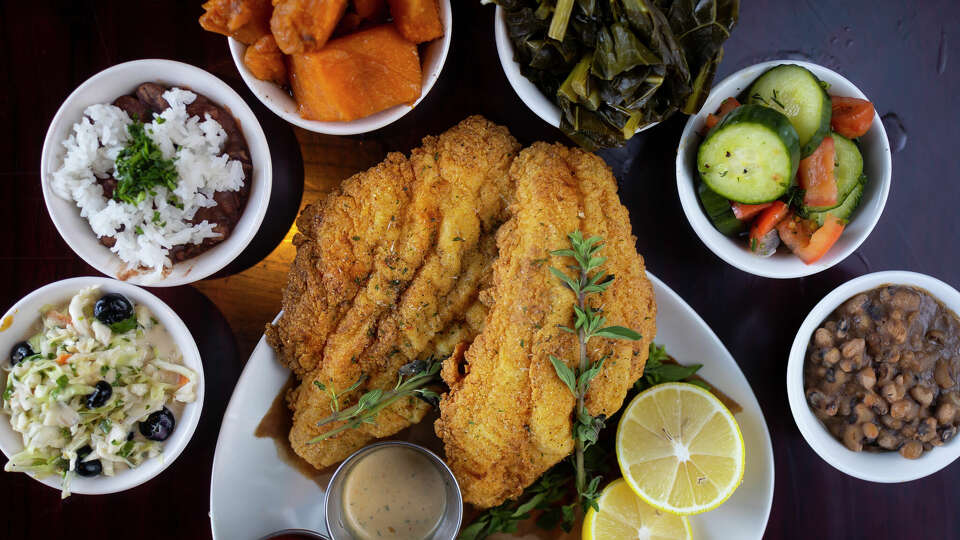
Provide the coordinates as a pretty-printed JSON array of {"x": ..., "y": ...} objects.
[{"x": 603, "y": 70}]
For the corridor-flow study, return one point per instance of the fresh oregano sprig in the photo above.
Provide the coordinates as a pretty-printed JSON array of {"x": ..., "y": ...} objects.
[
  {"x": 588, "y": 323},
  {"x": 412, "y": 380}
]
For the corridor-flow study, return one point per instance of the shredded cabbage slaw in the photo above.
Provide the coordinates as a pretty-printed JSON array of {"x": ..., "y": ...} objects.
[{"x": 46, "y": 394}]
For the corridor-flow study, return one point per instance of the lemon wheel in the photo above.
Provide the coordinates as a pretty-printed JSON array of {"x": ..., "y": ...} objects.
[
  {"x": 623, "y": 515},
  {"x": 680, "y": 449}
]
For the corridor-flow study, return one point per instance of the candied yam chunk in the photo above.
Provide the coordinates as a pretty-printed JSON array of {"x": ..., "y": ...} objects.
[
  {"x": 265, "y": 61},
  {"x": 243, "y": 20},
  {"x": 417, "y": 20},
  {"x": 356, "y": 75},
  {"x": 305, "y": 25}
]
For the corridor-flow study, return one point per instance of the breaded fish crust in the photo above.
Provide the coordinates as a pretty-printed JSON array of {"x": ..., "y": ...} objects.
[
  {"x": 507, "y": 417},
  {"x": 387, "y": 271}
]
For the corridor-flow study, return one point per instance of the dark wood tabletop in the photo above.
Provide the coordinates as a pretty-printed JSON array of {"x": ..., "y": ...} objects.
[{"x": 903, "y": 55}]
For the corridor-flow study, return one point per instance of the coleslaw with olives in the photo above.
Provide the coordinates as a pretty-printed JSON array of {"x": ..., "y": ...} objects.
[{"x": 89, "y": 392}]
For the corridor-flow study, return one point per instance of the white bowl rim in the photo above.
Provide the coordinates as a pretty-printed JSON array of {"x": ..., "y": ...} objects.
[
  {"x": 731, "y": 250},
  {"x": 886, "y": 467},
  {"x": 186, "y": 424},
  {"x": 253, "y": 213},
  {"x": 361, "y": 125},
  {"x": 529, "y": 94}
]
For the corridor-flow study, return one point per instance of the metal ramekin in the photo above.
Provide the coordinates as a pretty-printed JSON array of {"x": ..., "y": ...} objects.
[{"x": 449, "y": 524}]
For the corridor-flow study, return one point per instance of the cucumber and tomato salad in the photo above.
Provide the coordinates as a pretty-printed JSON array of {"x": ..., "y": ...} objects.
[{"x": 786, "y": 160}]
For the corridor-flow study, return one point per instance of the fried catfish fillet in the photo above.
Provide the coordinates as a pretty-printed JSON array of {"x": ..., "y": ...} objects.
[
  {"x": 388, "y": 271},
  {"x": 507, "y": 417}
]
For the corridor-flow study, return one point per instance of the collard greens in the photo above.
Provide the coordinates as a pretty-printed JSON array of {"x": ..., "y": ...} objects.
[{"x": 619, "y": 65}]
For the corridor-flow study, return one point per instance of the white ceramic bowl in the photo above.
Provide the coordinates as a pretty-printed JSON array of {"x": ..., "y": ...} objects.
[
  {"x": 876, "y": 165},
  {"x": 884, "y": 467},
  {"x": 283, "y": 105},
  {"x": 532, "y": 97},
  {"x": 122, "y": 79},
  {"x": 24, "y": 316}
]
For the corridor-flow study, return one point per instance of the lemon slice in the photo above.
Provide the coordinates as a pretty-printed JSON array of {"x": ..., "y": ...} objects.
[
  {"x": 680, "y": 449},
  {"x": 623, "y": 515}
]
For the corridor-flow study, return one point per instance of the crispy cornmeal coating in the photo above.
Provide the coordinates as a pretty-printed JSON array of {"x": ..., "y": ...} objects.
[
  {"x": 507, "y": 417},
  {"x": 387, "y": 271}
]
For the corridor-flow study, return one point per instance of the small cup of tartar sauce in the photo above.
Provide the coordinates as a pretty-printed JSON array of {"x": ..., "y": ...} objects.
[{"x": 393, "y": 489}]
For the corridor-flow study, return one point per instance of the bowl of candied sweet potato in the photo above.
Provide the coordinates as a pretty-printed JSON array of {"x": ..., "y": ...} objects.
[{"x": 338, "y": 66}]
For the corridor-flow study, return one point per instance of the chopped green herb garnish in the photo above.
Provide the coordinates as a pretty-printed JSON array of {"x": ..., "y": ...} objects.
[
  {"x": 141, "y": 167},
  {"x": 125, "y": 325},
  {"x": 126, "y": 449}
]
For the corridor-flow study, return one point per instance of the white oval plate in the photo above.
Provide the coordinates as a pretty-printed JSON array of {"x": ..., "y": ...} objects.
[{"x": 253, "y": 492}]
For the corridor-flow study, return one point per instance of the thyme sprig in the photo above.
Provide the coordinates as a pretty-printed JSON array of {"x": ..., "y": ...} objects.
[
  {"x": 588, "y": 323},
  {"x": 413, "y": 380}
]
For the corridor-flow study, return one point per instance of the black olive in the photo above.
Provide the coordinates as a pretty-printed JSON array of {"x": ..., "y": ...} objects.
[
  {"x": 87, "y": 468},
  {"x": 112, "y": 308},
  {"x": 158, "y": 426},
  {"x": 130, "y": 436},
  {"x": 19, "y": 352},
  {"x": 101, "y": 394}
]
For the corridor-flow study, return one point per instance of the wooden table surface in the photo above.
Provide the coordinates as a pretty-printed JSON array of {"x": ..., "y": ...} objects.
[{"x": 903, "y": 55}]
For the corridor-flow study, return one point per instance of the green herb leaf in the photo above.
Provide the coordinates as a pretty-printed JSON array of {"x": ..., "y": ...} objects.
[
  {"x": 570, "y": 282},
  {"x": 565, "y": 373},
  {"x": 618, "y": 332},
  {"x": 126, "y": 449},
  {"x": 583, "y": 382},
  {"x": 124, "y": 326}
]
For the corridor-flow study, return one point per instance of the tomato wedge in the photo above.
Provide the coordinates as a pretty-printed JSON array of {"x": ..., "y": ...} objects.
[
  {"x": 852, "y": 117},
  {"x": 744, "y": 212},
  {"x": 816, "y": 176},
  {"x": 728, "y": 105},
  {"x": 805, "y": 240},
  {"x": 767, "y": 220}
]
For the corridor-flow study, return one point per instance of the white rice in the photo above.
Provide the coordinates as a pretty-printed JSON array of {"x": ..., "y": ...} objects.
[{"x": 193, "y": 143}]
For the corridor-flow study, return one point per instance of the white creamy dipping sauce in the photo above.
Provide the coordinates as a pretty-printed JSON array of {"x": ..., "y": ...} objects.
[{"x": 394, "y": 492}]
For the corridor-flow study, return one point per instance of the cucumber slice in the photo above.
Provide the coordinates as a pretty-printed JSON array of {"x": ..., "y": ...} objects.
[
  {"x": 849, "y": 165},
  {"x": 751, "y": 156},
  {"x": 799, "y": 95},
  {"x": 846, "y": 208},
  {"x": 847, "y": 170},
  {"x": 718, "y": 210}
]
